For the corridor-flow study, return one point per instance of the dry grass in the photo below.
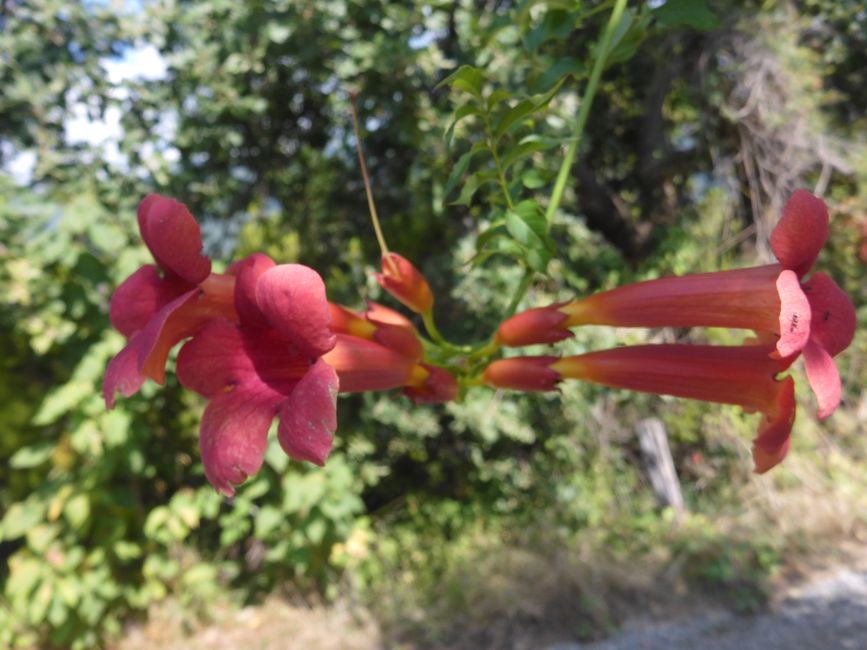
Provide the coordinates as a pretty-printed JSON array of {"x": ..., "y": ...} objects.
[{"x": 273, "y": 625}]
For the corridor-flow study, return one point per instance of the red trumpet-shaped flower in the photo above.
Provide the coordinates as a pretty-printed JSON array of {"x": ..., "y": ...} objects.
[
  {"x": 379, "y": 350},
  {"x": 406, "y": 283},
  {"x": 379, "y": 324},
  {"x": 740, "y": 375},
  {"x": 268, "y": 364},
  {"x": 364, "y": 365},
  {"x": 813, "y": 316},
  {"x": 158, "y": 306}
]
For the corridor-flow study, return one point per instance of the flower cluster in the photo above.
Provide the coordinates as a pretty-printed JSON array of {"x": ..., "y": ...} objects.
[
  {"x": 262, "y": 341},
  {"x": 792, "y": 312}
]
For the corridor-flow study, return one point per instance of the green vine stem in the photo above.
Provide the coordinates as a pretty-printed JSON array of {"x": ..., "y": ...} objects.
[{"x": 584, "y": 110}]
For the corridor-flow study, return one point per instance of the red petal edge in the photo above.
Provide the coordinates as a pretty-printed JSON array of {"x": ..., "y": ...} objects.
[
  {"x": 772, "y": 442},
  {"x": 173, "y": 237},
  {"x": 233, "y": 437},
  {"x": 794, "y": 314},
  {"x": 824, "y": 378},
  {"x": 308, "y": 418},
  {"x": 122, "y": 374},
  {"x": 833, "y": 321},
  {"x": 801, "y": 232},
  {"x": 292, "y": 298}
]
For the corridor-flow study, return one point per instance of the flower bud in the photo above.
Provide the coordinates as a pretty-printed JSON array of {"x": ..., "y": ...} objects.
[{"x": 403, "y": 281}]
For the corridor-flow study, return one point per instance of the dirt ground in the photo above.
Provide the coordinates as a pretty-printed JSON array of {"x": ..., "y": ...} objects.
[{"x": 817, "y": 604}]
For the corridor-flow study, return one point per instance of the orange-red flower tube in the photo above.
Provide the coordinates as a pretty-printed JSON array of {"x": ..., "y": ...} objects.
[{"x": 740, "y": 375}]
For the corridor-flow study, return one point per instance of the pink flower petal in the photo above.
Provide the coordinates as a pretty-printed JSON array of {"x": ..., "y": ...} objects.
[
  {"x": 173, "y": 237},
  {"x": 377, "y": 313},
  {"x": 801, "y": 232},
  {"x": 122, "y": 374},
  {"x": 308, "y": 418},
  {"x": 833, "y": 322},
  {"x": 772, "y": 442},
  {"x": 400, "y": 340},
  {"x": 794, "y": 314},
  {"x": 223, "y": 356},
  {"x": 233, "y": 437},
  {"x": 141, "y": 296},
  {"x": 824, "y": 378},
  {"x": 249, "y": 270},
  {"x": 163, "y": 331},
  {"x": 292, "y": 298}
]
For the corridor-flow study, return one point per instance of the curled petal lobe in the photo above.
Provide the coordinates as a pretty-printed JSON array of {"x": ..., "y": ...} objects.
[
  {"x": 234, "y": 436},
  {"x": 248, "y": 272},
  {"x": 795, "y": 314},
  {"x": 122, "y": 374},
  {"x": 403, "y": 281},
  {"x": 173, "y": 237},
  {"x": 834, "y": 321},
  {"x": 824, "y": 378},
  {"x": 292, "y": 298},
  {"x": 171, "y": 324},
  {"x": 801, "y": 232},
  {"x": 141, "y": 296},
  {"x": 308, "y": 418},
  {"x": 772, "y": 442},
  {"x": 522, "y": 373}
]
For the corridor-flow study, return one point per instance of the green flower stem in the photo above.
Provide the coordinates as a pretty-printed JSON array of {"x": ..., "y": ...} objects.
[
  {"x": 584, "y": 110},
  {"x": 434, "y": 333}
]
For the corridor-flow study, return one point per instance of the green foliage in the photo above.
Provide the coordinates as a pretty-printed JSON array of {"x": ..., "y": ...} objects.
[{"x": 104, "y": 513}]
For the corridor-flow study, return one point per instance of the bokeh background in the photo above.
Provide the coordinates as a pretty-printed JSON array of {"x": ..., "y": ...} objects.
[{"x": 504, "y": 520}]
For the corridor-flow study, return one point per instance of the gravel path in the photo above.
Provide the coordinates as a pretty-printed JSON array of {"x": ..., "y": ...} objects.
[{"x": 826, "y": 614}]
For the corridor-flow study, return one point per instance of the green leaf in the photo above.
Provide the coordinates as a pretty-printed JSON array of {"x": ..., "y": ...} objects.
[
  {"x": 526, "y": 223},
  {"x": 456, "y": 173},
  {"x": 562, "y": 68},
  {"x": 472, "y": 184},
  {"x": 32, "y": 456},
  {"x": 628, "y": 35},
  {"x": 268, "y": 519},
  {"x": 61, "y": 400},
  {"x": 466, "y": 78},
  {"x": 463, "y": 111},
  {"x": 557, "y": 24},
  {"x": 528, "y": 146},
  {"x": 77, "y": 510},
  {"x": 496, "y": 97},
  {"x": 691, "y": 13},
  {"x": 517, "y": 112},
  {"x": 496, "y": 229},
  {"x": 533, "y": 179},
  {"x": 20, "y": 518}
]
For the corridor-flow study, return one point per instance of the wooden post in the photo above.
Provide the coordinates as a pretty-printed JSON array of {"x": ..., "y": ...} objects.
[{"x": 660, "y": 466}]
